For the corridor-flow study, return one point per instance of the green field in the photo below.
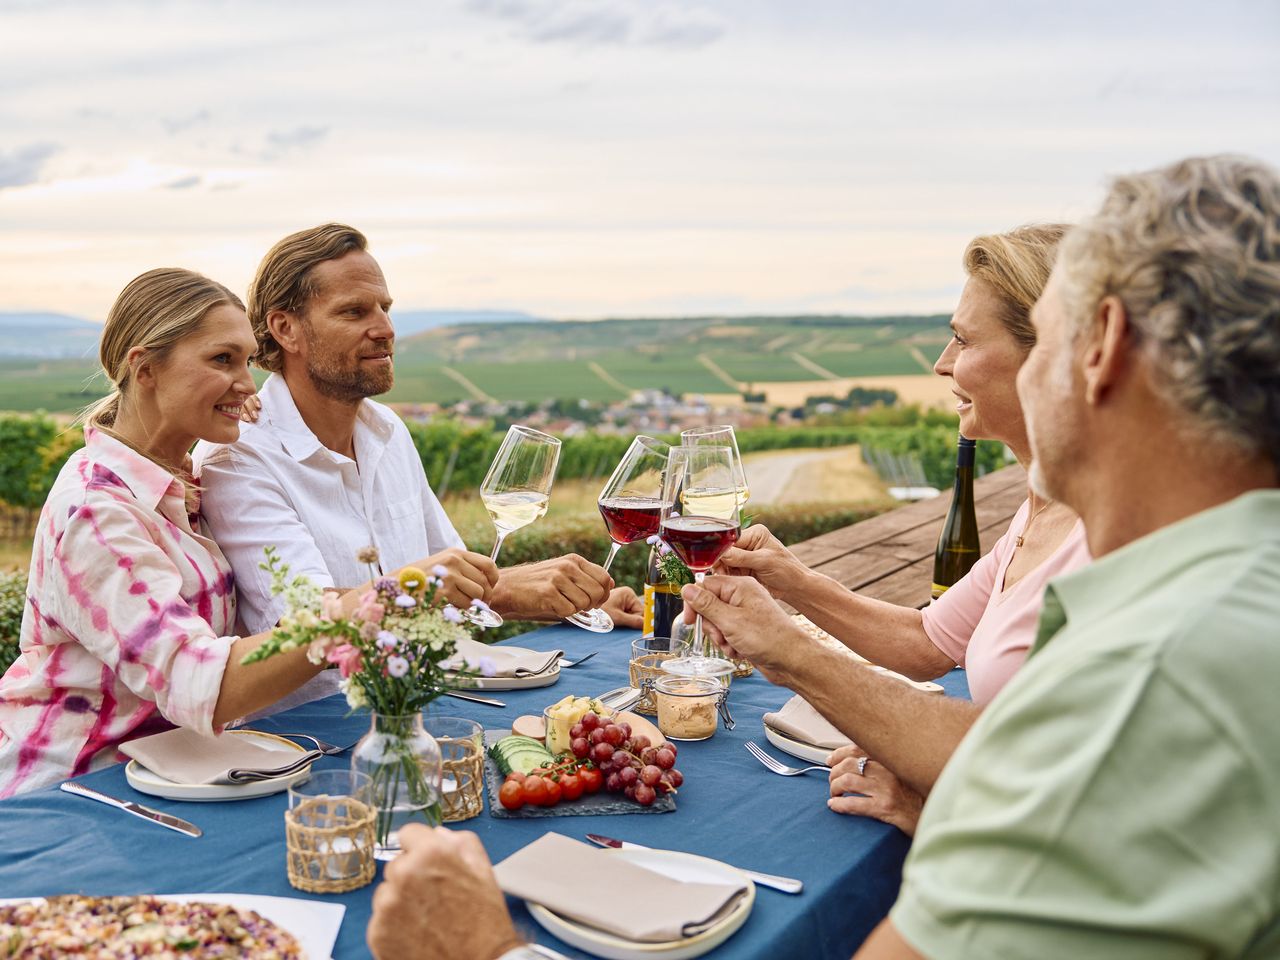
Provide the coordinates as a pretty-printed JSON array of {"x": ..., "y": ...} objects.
[{"x": 537, "y": 361}]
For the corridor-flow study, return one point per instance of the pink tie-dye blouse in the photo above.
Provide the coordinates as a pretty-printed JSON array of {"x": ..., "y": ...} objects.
[{"x": 127, "y": 620}]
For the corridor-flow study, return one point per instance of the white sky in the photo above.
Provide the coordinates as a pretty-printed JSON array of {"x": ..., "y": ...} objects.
[{"x": 584, "y": 158}]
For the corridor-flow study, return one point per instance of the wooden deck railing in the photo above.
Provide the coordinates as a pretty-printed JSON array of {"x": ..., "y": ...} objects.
[{"x": 890, "y": 557}]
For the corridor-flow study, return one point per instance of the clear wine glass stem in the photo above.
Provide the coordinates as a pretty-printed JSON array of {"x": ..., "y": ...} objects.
[
  {"x": 614, "y": 547},
  {"x": 497, "y": 545},
  {"x": 699, "y": 644}
]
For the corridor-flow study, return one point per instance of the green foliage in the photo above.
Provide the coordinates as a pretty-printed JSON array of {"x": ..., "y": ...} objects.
[
  {"x": 934, "y": 447},
  {"x": 13, "y": 600},
  {"x": 22, "y": 467}
]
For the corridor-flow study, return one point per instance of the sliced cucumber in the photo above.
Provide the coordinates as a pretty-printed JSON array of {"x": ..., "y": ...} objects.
[{"x": 519, "y": 753}]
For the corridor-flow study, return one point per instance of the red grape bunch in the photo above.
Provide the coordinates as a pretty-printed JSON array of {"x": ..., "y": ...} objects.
[{"x": 631, "y": 765}]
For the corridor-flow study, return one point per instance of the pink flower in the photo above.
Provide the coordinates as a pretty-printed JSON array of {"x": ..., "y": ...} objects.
[
  {"x": 397, "y": 666},
  {"x": 331, "y": 605},
  {"x": 370, "y": 610},
  {"x": 318, "y": 648},
  {"x": 347, "y": 658}
]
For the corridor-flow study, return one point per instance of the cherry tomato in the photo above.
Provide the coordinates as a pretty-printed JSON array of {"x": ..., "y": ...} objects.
[
  {"x": 512, "y": 795},
  {"x": 554, "y": 791},
  {"x": 534, "y": 790},
  {"x": 516, "y": 776},
  {"x": 592, "y": 779},
  {"x": 572, "y": 786}
]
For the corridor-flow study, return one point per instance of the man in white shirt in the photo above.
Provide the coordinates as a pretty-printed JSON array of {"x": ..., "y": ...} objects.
[{"x": 327, "y": 471}]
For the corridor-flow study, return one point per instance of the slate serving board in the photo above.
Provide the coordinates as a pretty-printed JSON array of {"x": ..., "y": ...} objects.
[{"x": 589, "y": 804}]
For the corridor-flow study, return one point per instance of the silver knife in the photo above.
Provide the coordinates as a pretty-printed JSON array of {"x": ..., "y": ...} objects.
[
  {"x": 785, "y": 884},
  {"x": 474, "y": 699},
  {"x": 137, "y": 809}
]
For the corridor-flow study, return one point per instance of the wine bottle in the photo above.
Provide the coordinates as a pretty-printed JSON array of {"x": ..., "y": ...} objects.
[
  {"x": 958, "y": 547},
  {"x": 661, "y": 600}
]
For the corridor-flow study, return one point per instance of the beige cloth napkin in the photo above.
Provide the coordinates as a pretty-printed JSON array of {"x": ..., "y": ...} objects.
[
  {"x": 184, "y": 756},
  {"x": 567, "y": 877},
  {"x": 799, "y": 721},
  {"x": 507, "y": 661}
]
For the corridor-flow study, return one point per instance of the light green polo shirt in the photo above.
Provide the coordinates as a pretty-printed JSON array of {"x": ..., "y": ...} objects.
[{"x": 1121, "y": 796}]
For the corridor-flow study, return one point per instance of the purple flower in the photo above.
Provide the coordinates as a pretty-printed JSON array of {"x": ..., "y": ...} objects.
[
  {"x": 451, "y": 613},
  {"x": 652, "y": 540},
  {"x": 440, "y": 571},
  {"x": 387, "y": 640},
  {"x": 404, "y": 601},
  {"x": 487, "y": 667},
  {"x": 478, "y": 604},
  {"x": 387, "y": 585},
  {"x": 397, "y": 666}
]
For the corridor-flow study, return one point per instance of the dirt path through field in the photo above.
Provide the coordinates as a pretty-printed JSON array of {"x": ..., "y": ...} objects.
[{"x": 811, "y": 476}]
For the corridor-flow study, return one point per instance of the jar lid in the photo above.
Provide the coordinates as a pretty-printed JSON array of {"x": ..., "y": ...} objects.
[
  {"x": 698, "y": 667},
  {"x": 688, "y": 686}
]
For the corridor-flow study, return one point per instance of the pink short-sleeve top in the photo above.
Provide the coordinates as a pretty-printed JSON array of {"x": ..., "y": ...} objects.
[{"x": 987, "y": 629}]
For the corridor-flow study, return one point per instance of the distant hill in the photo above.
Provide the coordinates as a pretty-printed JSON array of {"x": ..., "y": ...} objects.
[
  {"x": 48, "y": 336},
  {"x": 59, "y": 336},
  {"x": 512, "y": 356},
  {"x": 409, "y": 322}
]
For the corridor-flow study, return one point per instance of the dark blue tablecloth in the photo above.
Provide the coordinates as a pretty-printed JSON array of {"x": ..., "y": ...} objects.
[{"x": 729, "y": 808}]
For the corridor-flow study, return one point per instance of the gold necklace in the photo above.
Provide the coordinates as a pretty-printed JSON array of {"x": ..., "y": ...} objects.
[{"x": 1018, "y": 540}]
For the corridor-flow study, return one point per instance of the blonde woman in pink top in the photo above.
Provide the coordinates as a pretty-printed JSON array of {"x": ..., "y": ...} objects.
[
  {"x": 986, "y": 622},
  {"x": 130, "y": 618}
]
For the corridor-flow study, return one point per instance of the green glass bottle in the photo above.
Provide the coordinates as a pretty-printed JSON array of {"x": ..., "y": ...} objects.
[{"x": 958, "y": 547}]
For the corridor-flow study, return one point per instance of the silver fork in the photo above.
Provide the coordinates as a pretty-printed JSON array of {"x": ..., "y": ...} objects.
[
  {"x": 566, "y": 664},
  {"x": 328, "y": 749},
  {"x": 778, "y": 767}
]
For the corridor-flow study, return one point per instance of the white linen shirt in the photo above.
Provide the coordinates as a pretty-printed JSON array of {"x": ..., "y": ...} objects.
[{"x": 279, "y": 485}]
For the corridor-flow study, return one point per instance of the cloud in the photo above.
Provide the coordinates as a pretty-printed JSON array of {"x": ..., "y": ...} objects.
[
  {"x": 280, "y": 141},
  {"x": 184, "y": 183},
  {"x": 603, "y": 23},
  {"x": 23, "y": 165},
  {"x": 175, "y": 125}
]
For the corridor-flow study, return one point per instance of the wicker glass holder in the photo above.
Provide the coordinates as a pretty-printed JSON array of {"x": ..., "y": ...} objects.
[
  {"x": 329, "y": 844},
  {"x": 743, "y": 668},
  {"x": 647, "y": 656},
  {"x": 462, "y": 750}
]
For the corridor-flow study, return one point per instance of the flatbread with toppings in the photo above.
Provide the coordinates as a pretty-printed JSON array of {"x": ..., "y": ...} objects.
[{"x": 106, "y": 928}]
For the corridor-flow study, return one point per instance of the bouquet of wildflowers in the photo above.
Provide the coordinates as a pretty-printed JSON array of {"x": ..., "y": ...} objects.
[{"x": 391, "y": 650}]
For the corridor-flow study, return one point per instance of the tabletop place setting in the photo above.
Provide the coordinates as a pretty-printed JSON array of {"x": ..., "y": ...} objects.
[{"x": 602, "y": 749}]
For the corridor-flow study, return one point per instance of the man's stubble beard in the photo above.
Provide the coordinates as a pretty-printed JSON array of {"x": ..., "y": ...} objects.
[{"x": 349, "y": 385}]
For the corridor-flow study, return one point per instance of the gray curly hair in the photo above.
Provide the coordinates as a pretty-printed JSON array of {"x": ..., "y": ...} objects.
[{"x": 1192, "y": 250}]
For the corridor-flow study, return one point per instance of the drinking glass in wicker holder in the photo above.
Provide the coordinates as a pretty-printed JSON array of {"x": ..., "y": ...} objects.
[
  {"x": 461, "y": 744},
  {"x": 329, "y": 832},
  {"x": 647, "y": 657}
]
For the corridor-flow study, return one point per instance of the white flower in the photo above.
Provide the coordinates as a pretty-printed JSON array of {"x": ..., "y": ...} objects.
[
  {"x": 397, "y": 666},
  {"x": 387, "y": 640},
  {"x": 478, "y": 604},
  {"x": 487, "y": 667},
  {"x": 451, "y": 613},
  {"x": 305, "y": 618},
  {"x": 404, "y": 601},
  {"x": 440, "y": 571},
  {"x": 355, "y": 694}
]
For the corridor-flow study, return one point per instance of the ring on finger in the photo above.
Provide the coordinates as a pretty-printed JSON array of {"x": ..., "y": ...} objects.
[{"x": 862, "y": 765}]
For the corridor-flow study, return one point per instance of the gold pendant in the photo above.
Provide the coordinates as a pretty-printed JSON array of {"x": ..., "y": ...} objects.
[{"x": 1018, "y": 541}]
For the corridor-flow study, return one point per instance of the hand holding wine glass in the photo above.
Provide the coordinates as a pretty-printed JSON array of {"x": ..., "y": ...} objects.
[
  {"x": 631, "y": 504},
  {"x": 705, "y": 479},
  {"x": 516, "y": 490}
]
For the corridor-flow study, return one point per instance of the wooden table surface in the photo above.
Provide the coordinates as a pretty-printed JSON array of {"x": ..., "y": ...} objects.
[{"x": 890, "y": 557}]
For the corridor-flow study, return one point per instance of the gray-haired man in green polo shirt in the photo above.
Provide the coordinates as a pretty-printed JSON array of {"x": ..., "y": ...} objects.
[{"x": 1121, "y": 796}]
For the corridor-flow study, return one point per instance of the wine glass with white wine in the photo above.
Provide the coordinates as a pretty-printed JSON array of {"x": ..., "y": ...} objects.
[
  {"x": 721, "y": 435},
  {"x": 516, "y": 491}
]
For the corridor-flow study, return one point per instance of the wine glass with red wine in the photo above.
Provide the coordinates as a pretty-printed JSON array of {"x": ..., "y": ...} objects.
[
  {"x": 631, "y": 504},
  {"x": 704, "y": 527}
]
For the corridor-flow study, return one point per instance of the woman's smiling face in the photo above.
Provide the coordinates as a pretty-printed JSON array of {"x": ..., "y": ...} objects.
[{"x": 982, "y": 359}]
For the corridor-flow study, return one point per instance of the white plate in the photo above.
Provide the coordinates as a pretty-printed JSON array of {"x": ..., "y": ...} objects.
[
  {"x": 678, "y": 866},
  {"x": 544, "y": 679},
  {"x": 313, "y": 923},
  {"x": 145, "y": 781},
  {"x": 797, "y": 748}
]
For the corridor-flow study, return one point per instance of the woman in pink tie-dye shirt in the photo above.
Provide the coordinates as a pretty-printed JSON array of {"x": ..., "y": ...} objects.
[{"x": 130, "y": 607}]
